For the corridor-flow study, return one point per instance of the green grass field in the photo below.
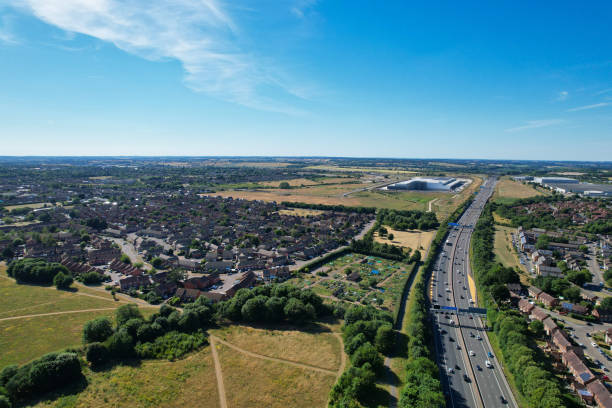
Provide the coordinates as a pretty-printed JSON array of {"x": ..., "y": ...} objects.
[{"x": 60, "y": 321}]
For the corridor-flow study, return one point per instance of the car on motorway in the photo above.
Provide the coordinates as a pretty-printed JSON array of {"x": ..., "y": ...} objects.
[
  {"x": 466, "y": 378},
  {"x": 450, "y": 370},
  {"x": 488, "y": 364},
  {"x": 594, "y": 344},
  {"x": 472, "y": 353},
  {"x": 478, "y": 337},
  {"x": 490, "y": 355},
  {"x": 479, "y": 368}
]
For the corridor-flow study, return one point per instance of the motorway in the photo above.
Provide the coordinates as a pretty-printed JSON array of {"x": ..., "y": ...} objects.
[{"x": 462, "y": 345}]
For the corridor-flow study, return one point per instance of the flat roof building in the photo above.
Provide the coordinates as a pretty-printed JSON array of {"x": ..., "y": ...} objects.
[{"x": 429, "y": 184}]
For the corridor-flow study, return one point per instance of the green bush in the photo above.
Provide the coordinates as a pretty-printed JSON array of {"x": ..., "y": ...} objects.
[
  {"x": 5, "y": 402},
  {"x": 97, "y": 354},
  {"x": 120, "y": 344},
  {"x": 47, "y": 373},
  {"x": 171, "y": 345},
  {"x": 97, "y": 330},
  {"x": 62, "y": 280}
]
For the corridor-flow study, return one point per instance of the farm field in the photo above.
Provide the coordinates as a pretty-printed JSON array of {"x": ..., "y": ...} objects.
[
  {"x": 350, "y": 195},
  {"x": 189, "y": 382},
  {"x": 508, "y": 190},
  {"x": 408, "y": 239},
  {"x": 35, "y": 320}
]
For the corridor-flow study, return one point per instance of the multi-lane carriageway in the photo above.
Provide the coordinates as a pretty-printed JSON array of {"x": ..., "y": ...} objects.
[{"x": 471, "y": 377}]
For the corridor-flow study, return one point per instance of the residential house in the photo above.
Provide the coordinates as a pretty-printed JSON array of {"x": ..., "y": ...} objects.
[
  {"x": 601, "y": 395},
  {"x": 548, "y": 300},
  {"x": 538, "y": 314},
  {"x": 550, "y": 327},
  {"x": 578, "y": 369},
  {"x": 525, "y": 306},
  {"x": 534, "y": 292}
]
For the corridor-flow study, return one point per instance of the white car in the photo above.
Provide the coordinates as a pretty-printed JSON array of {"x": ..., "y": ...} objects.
[
  {"x": 472, "y": 353},
  {"x": 594, "y": 344},
  {"x": 488, "y": 364}
]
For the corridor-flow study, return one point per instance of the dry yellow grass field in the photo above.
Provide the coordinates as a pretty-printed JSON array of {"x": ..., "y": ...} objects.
[
  {"x": 507, "y": 188},
  {"x": 408, "y": 239},
  {"x": 504, "y": 251},
  {"x": 255, "y": 382},
  {"x": 190, "y": 382},
  {"x": 500, "y": 220},
  {"x": 361, "y": 169},
  {"x": 33, "y": 206},
  {"x": 320, "y": 349},
  {"x": 300, "y": 212}
]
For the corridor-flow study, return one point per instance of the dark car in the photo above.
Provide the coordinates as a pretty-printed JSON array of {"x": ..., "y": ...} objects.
[
  {"x": 502, "y": 399},
  {"x": 466, "y": 378}
]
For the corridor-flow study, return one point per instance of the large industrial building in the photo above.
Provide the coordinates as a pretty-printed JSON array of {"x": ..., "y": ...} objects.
[
  {"x": 429, "y": 184},
  {"x": 586, "y": 189},
  {"x": 566, "y": 185}
]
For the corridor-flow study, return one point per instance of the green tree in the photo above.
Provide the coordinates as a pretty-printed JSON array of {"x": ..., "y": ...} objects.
[
  {"x": 284, "y": 185},
  {"x": 296, "y": 311},
  {"x": 97, "y": 330},
  {"x": 125, "y": 313},
  {"x": 385, "y": 339},
  {"x": 537, "y": 328},
  {"x": 62, "y": 280},
  {"x": 366, "y": 353}
]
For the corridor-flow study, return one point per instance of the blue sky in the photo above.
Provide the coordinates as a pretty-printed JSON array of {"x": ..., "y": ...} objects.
[{"x": 446, "y": 79}]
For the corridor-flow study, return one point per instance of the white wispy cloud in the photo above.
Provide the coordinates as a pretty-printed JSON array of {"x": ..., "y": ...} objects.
[
  {"x": 300, "y": 7},
  {"x": 534, "y": 124},
  {"x": 197, "y": 33},
  {"x": 562, "y": 96},
  {"x": 6, "y": 31},
  {"x": 587, "y": 107}
]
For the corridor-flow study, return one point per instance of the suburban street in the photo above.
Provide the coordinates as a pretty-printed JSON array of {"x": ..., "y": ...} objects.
[{"x": 462, "y": 346}]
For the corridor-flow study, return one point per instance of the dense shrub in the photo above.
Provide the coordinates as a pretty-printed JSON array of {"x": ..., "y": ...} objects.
[
  {"x": 97, "y": 354},
  {"x": 47, "y": 373},
  {"x": 97, "y": 330},
  {"x": 120, "y": 344},
  {"x": 91, "y": 278},
  {"x": 360, "y": 329},
  {"x": 171, "y": 345},
  {"x": 5, "y": 402}
]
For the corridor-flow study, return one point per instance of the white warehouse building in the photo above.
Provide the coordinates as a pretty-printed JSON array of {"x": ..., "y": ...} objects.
[{"x": 429, "y": 184}]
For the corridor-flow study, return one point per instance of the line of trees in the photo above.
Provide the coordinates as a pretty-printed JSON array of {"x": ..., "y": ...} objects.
[
  {"x": 408, "y": 219},
  {"x": 273, "y": 303},
  {"x": 367, "y": 334},
  {"x": 325, "y": 207},
  {"x": 32, "y": 270},
  {"x": 523, "y": 359}
]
